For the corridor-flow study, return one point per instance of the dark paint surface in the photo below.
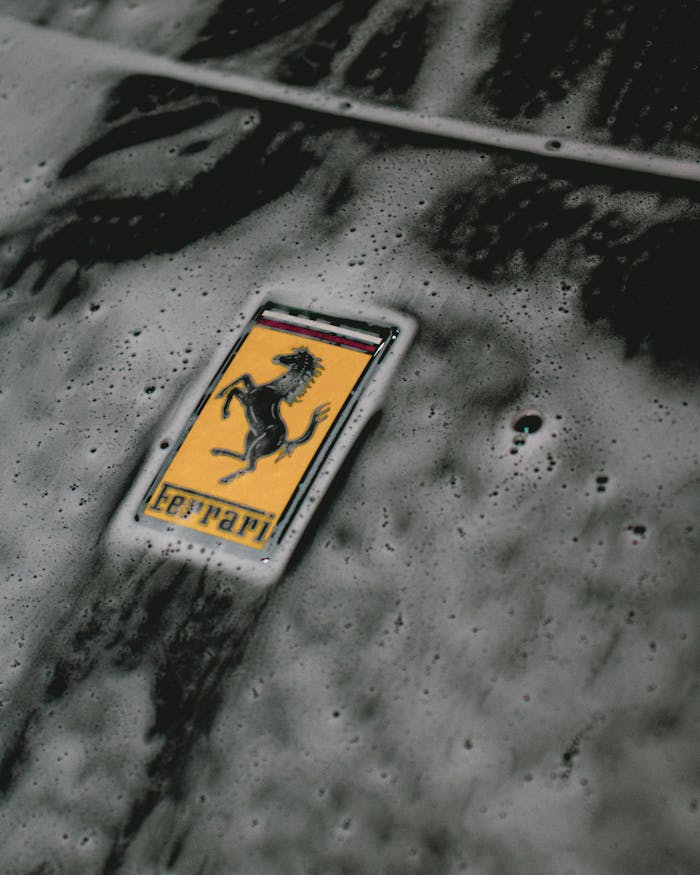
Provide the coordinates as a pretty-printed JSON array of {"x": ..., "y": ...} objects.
[
  {"x": 644, "y": 53},
  {"x": 625, "y": 73},
  {"x": 484, "y": 657}
]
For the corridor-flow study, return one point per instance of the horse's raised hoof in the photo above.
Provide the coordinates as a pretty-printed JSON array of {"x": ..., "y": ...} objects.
[{"x": 220, "y": 451}]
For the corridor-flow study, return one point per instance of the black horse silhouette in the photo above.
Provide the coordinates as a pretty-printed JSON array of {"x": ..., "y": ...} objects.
[{"x": 267, "y": 431}]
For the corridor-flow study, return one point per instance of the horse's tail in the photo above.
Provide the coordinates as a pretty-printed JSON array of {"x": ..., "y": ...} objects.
[{"x": 319, "y": 414}]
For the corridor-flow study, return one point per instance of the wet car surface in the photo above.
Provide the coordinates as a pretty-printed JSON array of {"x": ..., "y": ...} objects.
[{"x": 484, "y": 655}]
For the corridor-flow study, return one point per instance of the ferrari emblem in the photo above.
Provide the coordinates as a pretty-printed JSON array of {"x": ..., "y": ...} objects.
[{"x": 246, "y": 458}]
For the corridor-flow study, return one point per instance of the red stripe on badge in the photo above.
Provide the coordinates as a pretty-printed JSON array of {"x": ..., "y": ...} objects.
[{"x": 319, "y": 335}]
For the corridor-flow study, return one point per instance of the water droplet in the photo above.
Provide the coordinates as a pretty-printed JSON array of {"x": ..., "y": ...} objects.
[{"x": 528, "y": 423}]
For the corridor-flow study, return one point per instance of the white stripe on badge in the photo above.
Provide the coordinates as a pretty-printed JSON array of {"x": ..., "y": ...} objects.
[{"x": 341, "y": 330}]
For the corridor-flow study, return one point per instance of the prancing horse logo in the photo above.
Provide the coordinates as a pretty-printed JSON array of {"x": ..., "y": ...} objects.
[{"x": 267, "y": 431}]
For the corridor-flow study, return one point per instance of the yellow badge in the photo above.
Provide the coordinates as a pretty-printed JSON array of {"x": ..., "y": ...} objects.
[{"x": 245, "y": 459}]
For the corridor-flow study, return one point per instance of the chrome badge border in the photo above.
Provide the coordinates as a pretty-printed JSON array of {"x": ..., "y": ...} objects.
[{"x": 131, "y": 527}]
